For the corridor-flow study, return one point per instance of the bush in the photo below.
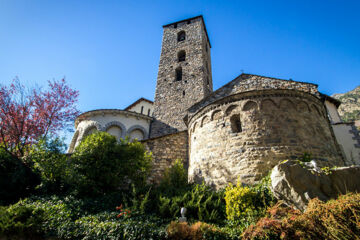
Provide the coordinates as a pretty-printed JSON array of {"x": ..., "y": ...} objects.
[
  {"x": 248, "y": 203},
  {"x": 336, "y": 219},
  {"x": 202, "y": 203},
  {"x": 21, "y": 220},
  {"x": 51, "y": 164},
  {"x": 16, "y": 179},
  {"x": 196, "y": 231},
  {"x": 100, "y": 164},
  {"x": 57, "y": 218},
  {"x": 175, "y": 179}
]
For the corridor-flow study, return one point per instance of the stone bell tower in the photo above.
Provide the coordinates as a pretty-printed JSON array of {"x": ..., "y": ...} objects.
[{"x": 184, "y": 76}]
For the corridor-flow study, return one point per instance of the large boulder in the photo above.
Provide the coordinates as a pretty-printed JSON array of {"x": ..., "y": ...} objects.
[{"x": 295, "y": 182}]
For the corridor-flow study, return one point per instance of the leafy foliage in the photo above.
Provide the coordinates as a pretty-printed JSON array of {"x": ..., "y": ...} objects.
[
  {"x": 202, "y": 203},
  {"x": 16, "y": 179},
  {"x": 57, "y": 218},
  {"x": 51, "y": 164},
  {"x": 100, "y": 164},
  {"x": 248, "y": 203},
  {"x": 175, "y": 178}
]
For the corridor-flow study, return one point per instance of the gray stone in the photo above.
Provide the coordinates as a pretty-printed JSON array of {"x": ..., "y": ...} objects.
[{"x": 296, "y": 183}]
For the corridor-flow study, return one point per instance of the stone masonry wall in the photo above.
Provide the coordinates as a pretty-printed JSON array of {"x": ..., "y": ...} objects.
[
  {"x": 172, "y": 97},
  {"x": 275, "y": 125},
  {"x": 166, "y": 149}
]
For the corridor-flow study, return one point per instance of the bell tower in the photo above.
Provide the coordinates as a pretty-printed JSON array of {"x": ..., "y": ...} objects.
[{"x": 184, "y": 76}]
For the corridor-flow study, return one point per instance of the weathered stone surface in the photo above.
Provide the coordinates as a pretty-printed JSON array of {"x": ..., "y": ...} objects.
[
  {"x": 173, "y": 97},
  {"x": 275, "y": 124},
  {"x": 166, "y": 149},
  {"x": 296, "y": 184}
]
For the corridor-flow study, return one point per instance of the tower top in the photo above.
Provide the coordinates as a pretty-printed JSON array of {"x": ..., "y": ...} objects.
[{"x": 188, "y": 21}]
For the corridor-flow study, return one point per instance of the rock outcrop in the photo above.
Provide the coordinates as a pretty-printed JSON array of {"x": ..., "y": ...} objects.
[
  {"x": 296, "y": 183},
  {"x": 349, "y": 109}
]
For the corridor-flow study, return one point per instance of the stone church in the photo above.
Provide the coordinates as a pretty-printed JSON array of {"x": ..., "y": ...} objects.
[{"x": 240, "y": 131}]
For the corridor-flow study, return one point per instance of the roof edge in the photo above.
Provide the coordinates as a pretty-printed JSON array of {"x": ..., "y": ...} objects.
[
  {"x": 189, "y": 19},
  {"x": 137, "y": 101}
]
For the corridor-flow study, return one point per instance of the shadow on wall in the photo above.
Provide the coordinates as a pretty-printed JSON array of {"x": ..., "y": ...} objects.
[{"x": 159, "y": 128}]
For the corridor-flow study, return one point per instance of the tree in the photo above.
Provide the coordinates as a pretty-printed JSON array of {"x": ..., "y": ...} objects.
[{"x": 28, "y": 115}]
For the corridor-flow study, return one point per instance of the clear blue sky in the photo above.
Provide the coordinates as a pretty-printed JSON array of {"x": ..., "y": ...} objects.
[{"x": 109, "y": 50}]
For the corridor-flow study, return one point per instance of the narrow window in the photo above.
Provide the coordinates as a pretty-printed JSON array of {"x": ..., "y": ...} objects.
[
  {"x": 175, "y": 25},
  {"x": 181, "y": 56},
  {"x": 149, "y": 112},
  {"x": 181, "y": 36},
  {"x": 142, "y": 109},
  {"x": 235, "y": 123},
  {"x": 178, "y": 74},
  {"x": 207, "y": 80},
  {"x": 184, "y": 93}
]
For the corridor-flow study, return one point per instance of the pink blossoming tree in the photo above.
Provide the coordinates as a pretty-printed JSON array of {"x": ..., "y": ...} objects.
[{"x": 28, "y": 115}]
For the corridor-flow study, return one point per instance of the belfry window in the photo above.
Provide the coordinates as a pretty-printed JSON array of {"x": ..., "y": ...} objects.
[
  {"x": 235, "y": 123},
  {"x": 181, "y": 56},
  {"x": 178, "y": 74},
  {"x": 181, "y": 36}
]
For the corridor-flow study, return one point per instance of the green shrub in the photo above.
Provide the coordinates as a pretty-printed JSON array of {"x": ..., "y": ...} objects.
[
  {"x": 100, "y": 164},
  {"x": 175, "y": 179},
  {"x": 16, "y": 179},
  {"x": 51, "y": 164},
  {"x": 21, "y": 220},
  {"x": 202, "y": 203},
  {"x": 58, "y": 218}
]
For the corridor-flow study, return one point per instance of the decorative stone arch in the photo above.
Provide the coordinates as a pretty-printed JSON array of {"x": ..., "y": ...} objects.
[
  {"x": 266, "y": 104},
  {"x": 303, "y": 107},
  {"x": 90, "y": 126},
  {"x": 286, "y": 103},
  {"x": 230, "y": 109},
  {"x": 137, "y": 127},
  {"x": 117, "y": 124},
  {"x": 215, "y": 115},
  {"x": 73, "y": 141},
  {"x": 204, "y": 120},
  {"x": 315, "y": 109},
  {"x": 250, "y": 105}
]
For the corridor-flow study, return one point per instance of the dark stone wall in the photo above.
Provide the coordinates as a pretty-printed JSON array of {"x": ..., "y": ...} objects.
[{"x": 166, "y": 149}]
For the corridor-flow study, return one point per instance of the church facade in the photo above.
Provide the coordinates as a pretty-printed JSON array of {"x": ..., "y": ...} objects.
[{"x": 238, "y": 132}]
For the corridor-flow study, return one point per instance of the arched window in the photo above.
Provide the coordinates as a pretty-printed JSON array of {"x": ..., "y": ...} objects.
[
  {"x": 181, "y": 56},
  {"x": 235, "y": 123},
  {"x": 178, "y": 74},
  {"x": 181, "y": 36}
]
